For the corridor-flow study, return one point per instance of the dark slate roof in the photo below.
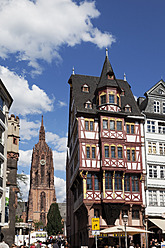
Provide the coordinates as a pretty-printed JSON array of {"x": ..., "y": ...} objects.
[
  {"x": 81, "y": 98},
  {"x": 107, "y": 70}
]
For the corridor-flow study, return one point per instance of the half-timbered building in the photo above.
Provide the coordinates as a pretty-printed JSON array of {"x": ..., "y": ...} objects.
[{"x": 105, "y": 167}]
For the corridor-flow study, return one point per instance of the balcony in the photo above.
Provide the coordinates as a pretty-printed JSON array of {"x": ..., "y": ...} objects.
[
  {"x": 2, "y": 116},
  {"x": 1, "y": 149}
]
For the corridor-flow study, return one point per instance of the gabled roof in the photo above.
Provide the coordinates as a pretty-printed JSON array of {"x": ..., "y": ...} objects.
[{"x": 153, "y": 89}]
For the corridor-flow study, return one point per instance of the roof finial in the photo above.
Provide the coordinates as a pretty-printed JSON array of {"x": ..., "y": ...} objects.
[
  {"x": 106, "y": 52},
  {"x": 125, "y": 77},
  {"x": 42, "y": 121},
  {"x": 73, "y": 71}
]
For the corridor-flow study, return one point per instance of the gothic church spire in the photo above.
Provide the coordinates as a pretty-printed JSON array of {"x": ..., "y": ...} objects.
[{"x": 42, "y": 131}]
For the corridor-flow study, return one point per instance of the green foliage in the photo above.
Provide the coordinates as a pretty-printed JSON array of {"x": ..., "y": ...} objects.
[
  {"x": 54, "y": 225},
  {"x": 38, "y": 225},
  {"x": 17, "y": 219},
  {"x": 21, "y": 179}
]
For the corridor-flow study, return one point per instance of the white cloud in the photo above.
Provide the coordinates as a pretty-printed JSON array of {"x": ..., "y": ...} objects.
[
  {"x": 39, "y": 28},
  {"x": 62, "y": 104},
  {"x": 25, "y": 158},
  {"x": 29, "y": 129},
  {"x": 59, "y": 143},
  {"x": 59, "y": 159},
  {"x": 60, "y": 188},
  {"x": 26, "y": 100}
]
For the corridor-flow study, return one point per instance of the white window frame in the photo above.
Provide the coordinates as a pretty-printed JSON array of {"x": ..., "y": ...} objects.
[
  {"x": 151, "y": 128},
  {"x": 156, "y": 106},
  {"x": 153, "y": 171},
  {"x": 152, "y": 197}
]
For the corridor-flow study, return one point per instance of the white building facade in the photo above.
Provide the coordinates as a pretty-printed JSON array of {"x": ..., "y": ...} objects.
[
  {"x": 5, "y": 103},
  {"x": 153, "y": 108}
]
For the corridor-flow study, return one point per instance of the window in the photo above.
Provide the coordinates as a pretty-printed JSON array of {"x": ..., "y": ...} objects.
[
  {"x": 1, "y": 103},
  {"x": 86, "y": 125},
  {"x": 113, "y": 152},
  {"x": 162, "y": 172},
  {"x": 96, "y": 182},
  {"x": 14, "y": 141},
  {"x": 85, "y": 88},
  {"x": 120, "y": 152},
  {"x": 119, "y": 125},
  {"x": 89, "y": 125},
  {"x": 111, "y": 98},
  {"x": 161, "y": 127},
  {"x": 127, "y": 182},
  {"x": 93, "y": 152},
  {"x": 153, "y": 198},
  {"x": 105, "y": 124},
  {"x": 156, "y": 106},
  {"x": 152, "y": 171},
  {"x": 130, "y": 128},
  {"x": 118, "y": 101},
  {"x": 151, "y": 148},
  {"x": 127, "y": 108},
  {"x": 128, "y": 154},
  {"x": 103, "y": 99},
  {"x": 135, "y": 214},
  {"x": 135, "y": 183},
  {"x": 162, "y": 148},
  {"x": 151, "y": 126},
  {"x": 118, "y": 181},
  {"x": 133, "y": 155},
  {"x": 163, "y": 107},
  {"x": 88, "y": 105},
  {"x": 89, "y": 181},
  {"x": 106, "y": 151},
  {"x": 162, "y": 198},
  {"x": 108, "y": 180},
  {"x": 112, "y": 125},
  {"x": 88, "y": 151}
]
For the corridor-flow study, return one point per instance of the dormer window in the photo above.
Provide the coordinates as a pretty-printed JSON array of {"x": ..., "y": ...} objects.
[
  {"x": 127, "y": 108},
  {"x": 85, "y": 88},
  {"x": 88, "y": 105},
  {"x": 103, "y": 99},
  {"x": 111, "y": 98},
  {"x": 161, "y": 92}
]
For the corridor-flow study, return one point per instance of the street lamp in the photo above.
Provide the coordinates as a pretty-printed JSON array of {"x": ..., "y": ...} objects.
[
  {"x": 30, "y": 227},
  {"x": 125, "y": 219}
]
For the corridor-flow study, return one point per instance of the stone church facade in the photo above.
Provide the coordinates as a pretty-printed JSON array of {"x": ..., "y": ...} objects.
[{"x": 42, "y": 190}]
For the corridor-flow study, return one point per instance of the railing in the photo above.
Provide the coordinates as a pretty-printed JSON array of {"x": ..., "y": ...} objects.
[
  {"x": 2, "y": 116},
  {"x": 1, "y": 182},
  {"x": 1, "y": 148}
]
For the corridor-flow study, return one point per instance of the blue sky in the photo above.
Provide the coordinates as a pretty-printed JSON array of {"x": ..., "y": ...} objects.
[{"x": 41, "y": 41}]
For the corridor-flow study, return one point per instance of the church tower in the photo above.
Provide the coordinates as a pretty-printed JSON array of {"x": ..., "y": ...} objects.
[{"x": 42, "y": 190}]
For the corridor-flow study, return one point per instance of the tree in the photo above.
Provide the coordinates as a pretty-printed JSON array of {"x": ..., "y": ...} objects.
[
  {"x": 38, "y": 225},
  {"x": 54, "y": 225}
]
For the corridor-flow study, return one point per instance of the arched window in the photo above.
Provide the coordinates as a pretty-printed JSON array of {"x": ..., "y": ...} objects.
[{"x": 43, "y": 201}]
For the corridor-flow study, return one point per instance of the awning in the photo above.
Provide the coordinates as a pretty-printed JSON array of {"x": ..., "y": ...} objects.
[
  {"x": 121, "y": 230},
  {"x": 159, "y": 223}
]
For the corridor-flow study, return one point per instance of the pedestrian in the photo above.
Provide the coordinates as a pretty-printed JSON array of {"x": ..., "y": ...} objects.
[
  {"x": 38, "y": 244},
  {"x": 131, "y": 245},
  {"x": 3, "y": 244}
]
